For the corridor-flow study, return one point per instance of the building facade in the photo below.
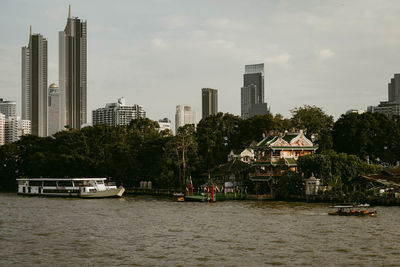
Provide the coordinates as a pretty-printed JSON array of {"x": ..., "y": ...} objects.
[
  {"x": 252, "y": 92},
  {"x": 34, "y": 83},
  {"x": 165, "y": 124},
  {"x": 73, "y": 72},
  {"x": 184, "y": 115},
  {"x": 15, "y": 127},
  {"x": 392, "y": 106},
  {"x": 55, "y": 123},
  {"x": 209, "y": 102},
  {"x": 2, "y": 129},
  {"x": 8, "y": 108},
  {"x": 118, "y": 113}
]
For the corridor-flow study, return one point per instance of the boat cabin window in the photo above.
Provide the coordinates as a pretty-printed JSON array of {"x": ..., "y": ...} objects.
[
  {"x": 49, "y": 183},
  {"x": 21, "y": 182},
  {"x": 35, "y": 183},
  {"x": 99, "y": 182},
  {"x": 64, "y": 183},
  {"x": 78, "y": 183}
]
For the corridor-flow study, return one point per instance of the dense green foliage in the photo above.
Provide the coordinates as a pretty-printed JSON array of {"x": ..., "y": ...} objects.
[
  {"x": 369, "y": 135},
  {"x": 141, "y": 152},
  {"x": 335, "y": 169}
]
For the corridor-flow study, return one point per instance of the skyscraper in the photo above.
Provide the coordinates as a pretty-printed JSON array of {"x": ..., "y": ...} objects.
[
  {"x": 73, "y": 72},
  {"x": 184, "y": 115},
  {"x": 209, "y": 99},
  {"x": 55, "y": 124},
  {"x": 252, "y": 92},
  {"x": 117, "y": 113},
  {"x": 34, "y": 83}
]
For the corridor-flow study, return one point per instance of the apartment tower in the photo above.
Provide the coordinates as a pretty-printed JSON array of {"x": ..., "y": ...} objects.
[
  {"x": 73, "y": 72},
  {"x": 34, "y": 83}
]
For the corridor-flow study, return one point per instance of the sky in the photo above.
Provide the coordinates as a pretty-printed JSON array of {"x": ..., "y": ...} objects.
[{"x": 337, "y": 55}]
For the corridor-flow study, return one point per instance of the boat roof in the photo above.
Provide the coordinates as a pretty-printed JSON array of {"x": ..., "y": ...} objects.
[
  {"x": 350, "y": 206},
  {"x": 61, "y": 179}
]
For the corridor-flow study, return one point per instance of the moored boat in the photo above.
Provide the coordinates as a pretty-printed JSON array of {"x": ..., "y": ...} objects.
[
  {"x": 352, "y": 210},
  {"x": 69, "y": 187}
]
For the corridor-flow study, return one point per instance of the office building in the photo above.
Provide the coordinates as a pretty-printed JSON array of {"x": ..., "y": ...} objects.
[
  {"x": 55, "y": 123},
  {"x": 165, "y": 124},
  {"x": 252, "y": 92},
  {"x": 8, "y": 108},
  {"x": 34, "y": 83},
  {"x": 73, "y": 72},
  {"x": 184, "y": 115},
  {"x": 209, "y": 102},
  {"x": 2, "y": 129},
  {"x": 392, "y": 106},
  {"x": 118, "y": 113}
]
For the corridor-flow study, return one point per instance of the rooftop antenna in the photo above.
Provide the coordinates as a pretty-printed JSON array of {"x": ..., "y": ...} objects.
[
  {"x": 30, "y": 31},
  {"x": 69, "y": 11}
]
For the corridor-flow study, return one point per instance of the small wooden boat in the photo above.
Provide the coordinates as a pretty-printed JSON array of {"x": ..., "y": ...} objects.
[
  {"x": 179, "y": 197},
  {"x": 352, "y": 210}
]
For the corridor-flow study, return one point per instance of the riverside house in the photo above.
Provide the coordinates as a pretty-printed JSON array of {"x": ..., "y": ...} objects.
[{"x": 278, "y": 152}]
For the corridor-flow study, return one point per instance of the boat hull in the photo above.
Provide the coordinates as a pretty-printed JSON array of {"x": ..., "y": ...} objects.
[
  {"x": 116, "y": 192},
  {"x": 356, "y": 213}
]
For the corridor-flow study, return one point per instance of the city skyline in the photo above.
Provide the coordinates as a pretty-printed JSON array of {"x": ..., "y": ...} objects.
[{"x": 329, "y": 38}]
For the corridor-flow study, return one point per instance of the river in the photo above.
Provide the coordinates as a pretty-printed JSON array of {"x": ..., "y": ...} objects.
[{"x": 145, "y": 231}]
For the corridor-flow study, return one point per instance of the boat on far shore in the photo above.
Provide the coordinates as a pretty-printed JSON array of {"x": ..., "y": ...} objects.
[
  {"x": 352, "y": 210},
  {"x": 69, "y": 187}
]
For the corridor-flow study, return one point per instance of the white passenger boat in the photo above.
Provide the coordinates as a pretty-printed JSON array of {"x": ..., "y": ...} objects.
[{"x": 70, "y": 187}]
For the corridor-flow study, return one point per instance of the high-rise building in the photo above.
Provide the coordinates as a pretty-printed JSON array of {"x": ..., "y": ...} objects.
[
  {"x": 165, "y": 124},
  {"x": 392, "y": 106},
  {"x": 252, "y": 92},
  {"x": 73, "y": 72},
  {"x": 55, "y": 124},
  {"x": 2, "y": 129},
  {"x": 34, "y": 83},
  {"x": 8, "y": 108},
  {"x": 117, "y": 113},
  {"x": 15, "y": 128},
  {"x": 184, "y": 115},
  {"x": 209, "y": 102}
]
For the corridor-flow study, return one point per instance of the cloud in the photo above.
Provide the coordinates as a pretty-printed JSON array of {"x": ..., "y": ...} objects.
[
  {"x": 223, "y": 24},
  {"x": 326, "y": 54},
  {"x": 159, "y": 43},
  {"x": 281, "y": 59},
  {"x": 173, "y": 22}
]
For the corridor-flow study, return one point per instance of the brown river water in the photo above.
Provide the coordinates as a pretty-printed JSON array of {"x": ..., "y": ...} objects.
[{"x": 145, "y": 231}]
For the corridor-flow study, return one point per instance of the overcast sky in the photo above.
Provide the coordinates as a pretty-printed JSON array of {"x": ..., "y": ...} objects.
[{"x": 337, "y": 55}]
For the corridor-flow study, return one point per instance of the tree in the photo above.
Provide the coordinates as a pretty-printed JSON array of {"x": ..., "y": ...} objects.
[
  {"x": 185, "y": 148},
  {"x": 371, "y": 135},
  {"x": 316, "y": 123}
]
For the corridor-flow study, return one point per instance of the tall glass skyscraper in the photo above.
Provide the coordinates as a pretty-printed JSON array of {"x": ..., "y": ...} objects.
[
  {"x": 34, "y": 83},
  {"x": 209, "y": 102},
  {"x": 73, "y": 72},
  {"x": 252, "y": 92}
]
